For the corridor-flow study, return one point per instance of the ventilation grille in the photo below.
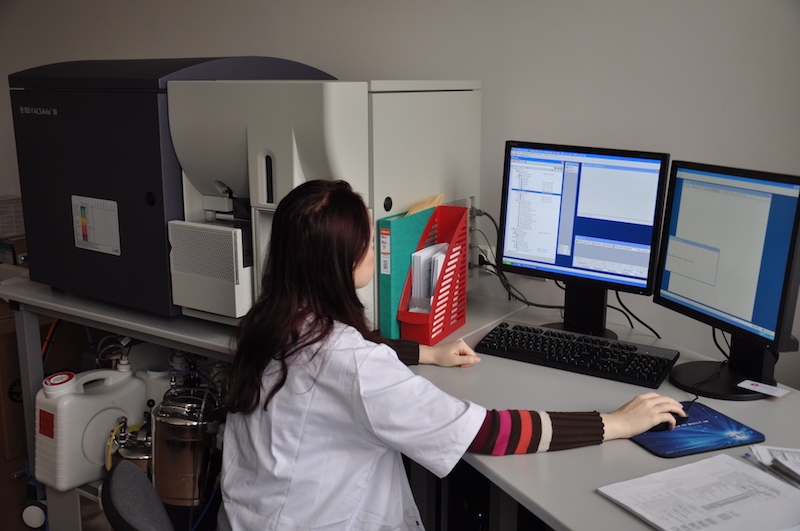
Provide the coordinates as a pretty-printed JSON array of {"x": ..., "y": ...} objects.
[{"x": 204, "y": 252}]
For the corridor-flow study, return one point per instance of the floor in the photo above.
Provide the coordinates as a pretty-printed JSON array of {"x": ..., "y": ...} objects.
[{"x": 13, "y": 500}]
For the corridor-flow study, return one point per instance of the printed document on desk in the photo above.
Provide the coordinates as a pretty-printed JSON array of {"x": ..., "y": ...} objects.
[
  {"x": 718, "y": 493},
  {"x": 766, "y": 454},
  {"x": 782, "y": 461}
]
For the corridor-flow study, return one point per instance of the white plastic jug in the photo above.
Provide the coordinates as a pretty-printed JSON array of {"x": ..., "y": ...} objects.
[
  {"x": 157, "y": 381},
  {"x": 75, "y": 416}
]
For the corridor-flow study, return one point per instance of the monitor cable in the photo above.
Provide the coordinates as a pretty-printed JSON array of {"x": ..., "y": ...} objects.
[
  {"x": 491, "y": 264},
  {"x": 716, "y": 342},
  {"x": 629, "y": 312},
  {"x": 625, "y": 311},
  {"x": 696, "y": 386}
]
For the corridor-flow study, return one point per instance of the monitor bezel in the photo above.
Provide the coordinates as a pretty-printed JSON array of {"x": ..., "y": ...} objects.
[
  {"x": 607, "y": 284},
  {"x": 791, "y": 280}
]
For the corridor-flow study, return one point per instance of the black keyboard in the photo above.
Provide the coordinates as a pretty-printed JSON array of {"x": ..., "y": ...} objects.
[{"x": 606, "y": 358}]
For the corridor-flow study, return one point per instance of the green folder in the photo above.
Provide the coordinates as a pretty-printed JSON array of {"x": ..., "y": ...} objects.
[{"x": 399, "y": 236}]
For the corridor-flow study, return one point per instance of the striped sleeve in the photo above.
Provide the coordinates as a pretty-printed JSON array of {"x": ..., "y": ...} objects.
[
  {"x": 521, "y": 432},
  {"x": 406, "y": 349}
]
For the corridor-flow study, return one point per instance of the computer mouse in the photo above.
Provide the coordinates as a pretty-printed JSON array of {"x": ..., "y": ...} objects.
[{"x": 664, "y": 426}]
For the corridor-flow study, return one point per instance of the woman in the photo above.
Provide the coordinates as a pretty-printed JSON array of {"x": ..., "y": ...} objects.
[{"x": 321, "y": 409}]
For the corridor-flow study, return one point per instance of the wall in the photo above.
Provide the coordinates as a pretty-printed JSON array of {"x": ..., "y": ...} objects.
[{"x": 714, "y": 81}]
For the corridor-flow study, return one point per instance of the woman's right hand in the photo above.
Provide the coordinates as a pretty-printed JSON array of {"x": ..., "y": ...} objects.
[{"x": 639, "y": 415}]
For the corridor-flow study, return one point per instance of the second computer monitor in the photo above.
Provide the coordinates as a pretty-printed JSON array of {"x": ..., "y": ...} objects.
[
  {"x": 589, "y": 217},
  {"x": 730, "y": 260}
]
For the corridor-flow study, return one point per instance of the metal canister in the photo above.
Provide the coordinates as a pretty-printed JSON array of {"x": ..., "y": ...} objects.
[
  {"x": 138, "y": 455},
  {"x": 181, "y": 444}
]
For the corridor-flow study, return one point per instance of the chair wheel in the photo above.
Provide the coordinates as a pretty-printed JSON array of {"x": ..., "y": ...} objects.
[{"x": 34, "y": 515}]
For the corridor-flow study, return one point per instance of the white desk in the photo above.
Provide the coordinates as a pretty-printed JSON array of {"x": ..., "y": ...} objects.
[{"x": 558, "y": 487}]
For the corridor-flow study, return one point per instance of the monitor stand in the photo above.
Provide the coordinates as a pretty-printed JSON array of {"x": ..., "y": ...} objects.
[
  {"x": 720, "y": 379},
  {"x": 585, "y": 311}
]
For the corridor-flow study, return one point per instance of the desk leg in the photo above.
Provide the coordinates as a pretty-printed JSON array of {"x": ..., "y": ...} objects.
[
  {"x": 502, "y": 510},
  {"x": 63, "y": 510},
  {"x": 29, "y": 347}
]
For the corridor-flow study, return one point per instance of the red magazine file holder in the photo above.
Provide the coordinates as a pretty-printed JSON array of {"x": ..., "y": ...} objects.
[{"x": 449, "y": 302}]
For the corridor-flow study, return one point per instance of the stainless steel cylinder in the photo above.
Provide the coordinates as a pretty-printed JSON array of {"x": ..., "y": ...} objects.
[
  {"x": 181, "y": 445},
  {"x": 138, "y": 455}
]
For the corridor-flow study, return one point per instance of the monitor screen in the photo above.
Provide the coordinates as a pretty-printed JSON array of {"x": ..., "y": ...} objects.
[
  {"x": 587, "y": 216},
  {"x": 728, "y": 260}
]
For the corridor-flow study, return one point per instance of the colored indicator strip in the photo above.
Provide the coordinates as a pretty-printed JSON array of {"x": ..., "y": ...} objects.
[{"x": 84, "y": 225}]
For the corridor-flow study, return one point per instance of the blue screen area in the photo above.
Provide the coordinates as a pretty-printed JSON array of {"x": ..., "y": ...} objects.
[
  {"x": 581, "y": 214},
  {"x": 728, "y": 247}
]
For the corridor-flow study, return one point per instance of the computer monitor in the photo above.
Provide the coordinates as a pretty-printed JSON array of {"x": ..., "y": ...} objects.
[
  {"x": 729, "y": 259},
  {"x": 589, "y": 217}
]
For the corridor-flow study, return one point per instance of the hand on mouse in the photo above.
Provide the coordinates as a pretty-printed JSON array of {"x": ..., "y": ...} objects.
[
  {"x": 639, "y": 415},
  {"x": 666, "y": 426}
]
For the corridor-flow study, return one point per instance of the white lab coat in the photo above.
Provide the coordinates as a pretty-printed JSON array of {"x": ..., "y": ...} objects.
[{"x": 326, "y": 455}]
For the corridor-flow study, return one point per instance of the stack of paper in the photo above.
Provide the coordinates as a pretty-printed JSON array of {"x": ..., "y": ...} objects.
[
  {"x": 718, "y": 493},
  {"x": 783, "y": 462},
  {"x": 426, "y": 265}
]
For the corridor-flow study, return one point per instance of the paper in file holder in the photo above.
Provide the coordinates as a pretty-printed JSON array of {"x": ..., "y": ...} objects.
[{"x": 449, "y": 302}]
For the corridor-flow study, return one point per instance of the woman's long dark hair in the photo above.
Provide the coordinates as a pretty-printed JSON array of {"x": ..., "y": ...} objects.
[{"x": 320, "y": 231}]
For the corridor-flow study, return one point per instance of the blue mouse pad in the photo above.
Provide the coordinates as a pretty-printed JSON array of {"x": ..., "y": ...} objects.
[{"x": 706, "y": 430}]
